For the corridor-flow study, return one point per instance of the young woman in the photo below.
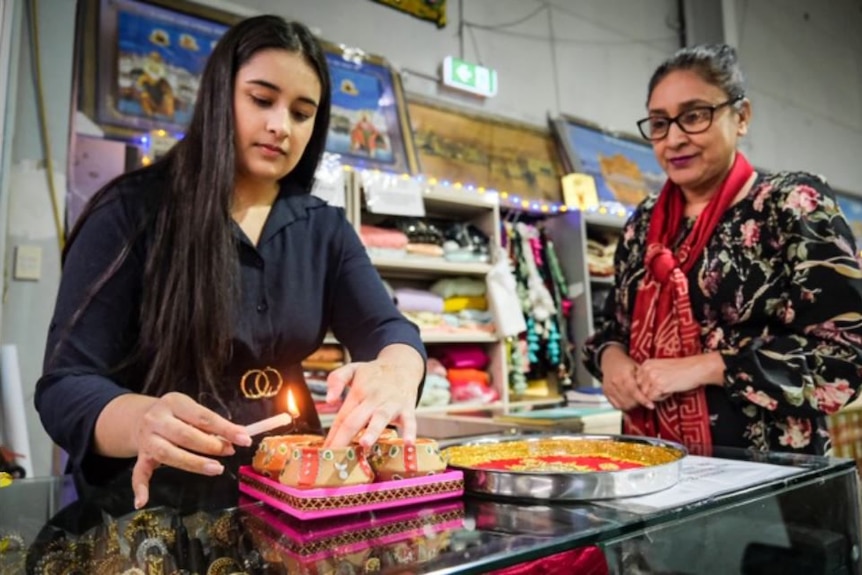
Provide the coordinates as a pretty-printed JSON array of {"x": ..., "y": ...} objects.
[
  {"x": 192, "y": 289},
  {"x": 735, "y": 317}
]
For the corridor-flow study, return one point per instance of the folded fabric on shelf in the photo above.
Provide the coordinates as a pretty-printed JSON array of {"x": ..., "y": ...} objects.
[
  {"x": 471, "y": 385},
  {"x": 463, "y": 357},
  {"x": 327, "y": 352},
  {"x": 390, "y": 253},
  {"x": 458, "y": 303},
  {"x": 460, "y": 376},
  {"x": 435, "y": 392},
  {"x": 377, "y": 237},
  {"x": 450, "y": 287},
  {"x": 476, "y": 319},
  {"x": 428, "y": 250},
  {"x": 416, "y": 300},
  {"x": 434, "y": 367},
  {"x": 425, "y": 320}
]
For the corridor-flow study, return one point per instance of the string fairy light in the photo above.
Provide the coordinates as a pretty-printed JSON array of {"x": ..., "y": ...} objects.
[{"x": 506, "y": 200}]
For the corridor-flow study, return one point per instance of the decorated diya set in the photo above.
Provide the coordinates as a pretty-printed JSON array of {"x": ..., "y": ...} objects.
[
  {"x": 302, "y": 460},
  {"x": 299, "y": 475}
]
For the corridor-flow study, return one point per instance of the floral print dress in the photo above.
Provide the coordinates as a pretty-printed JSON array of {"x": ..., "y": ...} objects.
[{"x": 778, "y": 292}]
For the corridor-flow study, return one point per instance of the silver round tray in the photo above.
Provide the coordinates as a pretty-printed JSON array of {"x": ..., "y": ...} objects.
[{"x": 571, "y": 485}]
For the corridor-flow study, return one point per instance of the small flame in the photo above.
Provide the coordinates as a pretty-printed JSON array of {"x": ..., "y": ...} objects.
[{"x": 292, "y": 409}]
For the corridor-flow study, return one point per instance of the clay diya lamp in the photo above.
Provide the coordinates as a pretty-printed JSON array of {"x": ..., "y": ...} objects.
[
  {"x": 272, "y": 453},
  {"x": 395, "y": 459},
  {"x": 312, "y": 465}
]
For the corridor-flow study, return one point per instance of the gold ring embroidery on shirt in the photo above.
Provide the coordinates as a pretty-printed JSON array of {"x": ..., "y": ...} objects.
[{"x": 260, "y": 383}]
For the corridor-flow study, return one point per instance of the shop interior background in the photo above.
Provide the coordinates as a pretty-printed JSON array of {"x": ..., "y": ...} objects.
[{"x": 586, "y": 58}]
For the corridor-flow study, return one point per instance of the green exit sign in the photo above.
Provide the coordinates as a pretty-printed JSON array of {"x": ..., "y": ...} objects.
[{"x": 469, "y": 77}]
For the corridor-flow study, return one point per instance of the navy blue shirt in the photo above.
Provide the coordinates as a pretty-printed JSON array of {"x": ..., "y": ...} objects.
[{"x": 308, "y": 274}]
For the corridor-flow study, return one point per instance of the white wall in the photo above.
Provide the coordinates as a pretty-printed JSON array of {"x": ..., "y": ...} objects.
[
  {"x": 803, "y": 60},
  {"x": 805, "y": 78},
  {"x": 27, "y": 305},
  {"x": 604, "y": 50}
]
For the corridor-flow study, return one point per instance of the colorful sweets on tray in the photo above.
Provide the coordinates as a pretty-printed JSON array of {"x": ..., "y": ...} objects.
[
  {"x": 559, "y": 455},
  {"x": 302, "y": 461}
]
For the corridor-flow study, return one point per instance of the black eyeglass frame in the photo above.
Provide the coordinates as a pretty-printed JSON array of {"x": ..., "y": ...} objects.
[{"x": 675, "y": 120}]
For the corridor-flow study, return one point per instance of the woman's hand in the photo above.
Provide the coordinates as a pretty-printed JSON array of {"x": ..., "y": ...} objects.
[
  {"x": 659, "y": 378},
  {"x": 381, "y": 392},
  {"x": 618, "y": 380},
  {"x": 173, "y": 430}
]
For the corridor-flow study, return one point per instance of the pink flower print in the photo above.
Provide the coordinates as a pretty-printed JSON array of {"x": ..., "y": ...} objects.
[
  {"x": 786, "y": 313},
  {"x": 797, "y": 433},
  {"x": 759, "y": 398},
  {"x": 715, "y": 338},
  {"x": 750, "y": 233},
  {"x": 830, "y": 332},
  {"x": 629, "y": 233},
  {"x": 802, "y": 200},
  {"x": 808, "y": 294},
  {"x": 711, "y": 280},
  {"x": 832, "y": 397},
  {"x": 760, "y": 198},
  {"x": 730, "y": 313}
]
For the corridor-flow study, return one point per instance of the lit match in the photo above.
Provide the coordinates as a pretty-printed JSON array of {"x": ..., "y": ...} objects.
[{"x": 270, "y": 423}]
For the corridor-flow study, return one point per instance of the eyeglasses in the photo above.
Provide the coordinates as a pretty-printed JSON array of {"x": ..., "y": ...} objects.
[{"x": 692, "y": 121}]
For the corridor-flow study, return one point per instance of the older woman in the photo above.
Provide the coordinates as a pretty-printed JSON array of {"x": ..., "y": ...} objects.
[{"x": 736, "y": 318}]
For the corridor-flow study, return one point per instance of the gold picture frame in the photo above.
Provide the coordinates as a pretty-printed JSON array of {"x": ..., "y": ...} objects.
[
  {"x": 430, "y": 10},
  {"x": 115, "y": 61},
  {"x": 623, "y": 165},
  {"x": 369, "y": 126},
  {"x": 484, "y": 150}
]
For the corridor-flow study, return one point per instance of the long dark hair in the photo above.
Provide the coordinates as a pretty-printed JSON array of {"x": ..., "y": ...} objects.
[
  {"x": 191, "y": 276},
  {"x": 717, "y": 64}
]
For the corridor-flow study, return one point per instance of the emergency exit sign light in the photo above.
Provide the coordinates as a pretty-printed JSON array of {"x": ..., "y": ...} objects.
[{"x": 469, "y": 77}]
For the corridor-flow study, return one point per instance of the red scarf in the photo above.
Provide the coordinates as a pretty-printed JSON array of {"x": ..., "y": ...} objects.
[{"x": 663, "y": 325}]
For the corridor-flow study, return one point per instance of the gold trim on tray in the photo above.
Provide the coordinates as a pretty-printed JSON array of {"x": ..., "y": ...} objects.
[{"x": 334, "y": 501}]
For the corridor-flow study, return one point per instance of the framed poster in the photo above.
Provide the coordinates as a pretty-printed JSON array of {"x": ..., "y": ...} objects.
[
  {"x": 623, "y": 165},
  {"x": 150, "y": 59},
  {"x": 368, "y": 125},
  {"x": 457, "y": 145},
  {"x": 432, "y": 10},
  {"x": 851, "y": 206}
]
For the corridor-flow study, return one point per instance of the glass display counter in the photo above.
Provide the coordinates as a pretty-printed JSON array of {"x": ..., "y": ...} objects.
[{"x": 796, "y": 514}]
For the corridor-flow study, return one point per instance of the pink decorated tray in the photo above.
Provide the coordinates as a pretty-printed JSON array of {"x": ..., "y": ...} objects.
[
  {"x": 313, "y": 541},
  {"x": 331, "y": 501}
]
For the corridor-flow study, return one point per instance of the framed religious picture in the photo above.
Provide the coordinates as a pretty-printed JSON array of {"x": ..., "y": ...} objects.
[
  {"x": 431, "y": 10},
  {"x": 480, "y": 149},
  {"x": 150, "y": 56},
  {"x": 623, "y": 165},
  {"x": 851, "y": 206},
  {"x": 368, "y": 127}
]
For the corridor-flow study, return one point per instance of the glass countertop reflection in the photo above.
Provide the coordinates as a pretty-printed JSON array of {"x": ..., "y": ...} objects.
[{"x": 195, "y": 525}]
